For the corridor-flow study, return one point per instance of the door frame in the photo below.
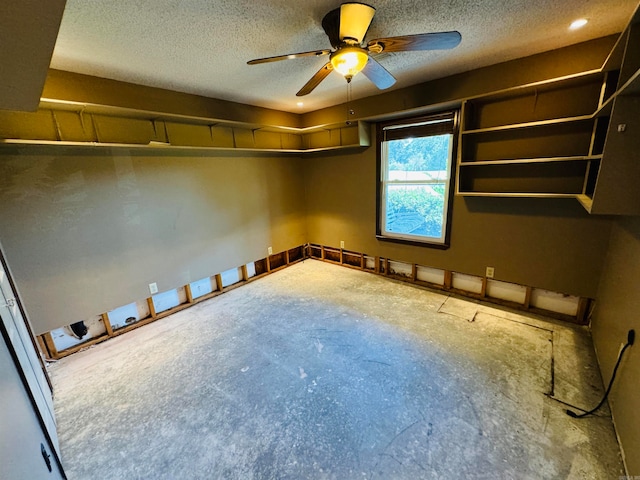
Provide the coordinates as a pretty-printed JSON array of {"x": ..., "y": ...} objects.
[{"x": 11, "y": 347}]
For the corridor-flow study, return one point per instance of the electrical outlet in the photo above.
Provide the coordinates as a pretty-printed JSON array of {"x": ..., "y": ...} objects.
[
  {"x": 153, "y": 288},
  {"x": 490, "y": 272},
  {"x": 270, "y": 251},
  {"x": 341, "y": 243}
]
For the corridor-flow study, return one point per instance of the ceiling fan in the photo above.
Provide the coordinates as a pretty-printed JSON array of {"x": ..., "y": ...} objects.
[{"x": 346, "y": 28}]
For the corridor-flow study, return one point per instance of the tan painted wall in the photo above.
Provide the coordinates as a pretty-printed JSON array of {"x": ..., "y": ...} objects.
[
  {"x": 617, "y": 311},
  {"x": 545, "y": 243},
  {"x": 86, "y": 231}
]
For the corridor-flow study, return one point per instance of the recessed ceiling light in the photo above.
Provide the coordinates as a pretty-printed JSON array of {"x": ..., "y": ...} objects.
[
  {"x": 300, "y": 104},
  {"x": 581, "y": 22}
]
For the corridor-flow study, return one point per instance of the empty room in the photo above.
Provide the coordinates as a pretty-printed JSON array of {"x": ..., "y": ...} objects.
[{"x": 319, "y": 240}]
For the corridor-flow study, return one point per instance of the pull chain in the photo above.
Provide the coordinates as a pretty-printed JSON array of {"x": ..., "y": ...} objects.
[{"x": 350, "y": 111}]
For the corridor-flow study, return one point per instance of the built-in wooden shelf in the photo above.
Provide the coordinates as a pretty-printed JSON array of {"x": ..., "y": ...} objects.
[
  {"x": 465, "y": 163},
  {"x": 572, "y": 137},
  {"x": 518, "y": 126},
  {"x": 71, "y": 125}
]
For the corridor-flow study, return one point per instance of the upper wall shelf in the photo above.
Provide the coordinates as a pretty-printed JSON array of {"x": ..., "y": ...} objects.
[
  {"x": 526, "y": 125},
  {"x": 576, "y": 137},
  {"x": 62, "y": 124}
]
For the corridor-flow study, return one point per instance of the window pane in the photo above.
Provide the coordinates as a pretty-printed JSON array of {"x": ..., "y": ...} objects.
[
  {"x": 416, "y": 210},
  {"x": 422, "y": 158}
]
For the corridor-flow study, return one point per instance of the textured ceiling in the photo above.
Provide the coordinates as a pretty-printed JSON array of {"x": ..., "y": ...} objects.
[{"x": 202, "y": 46}]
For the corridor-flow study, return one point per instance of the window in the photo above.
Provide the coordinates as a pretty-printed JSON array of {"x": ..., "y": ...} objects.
[{"x": 416, "y": 171}]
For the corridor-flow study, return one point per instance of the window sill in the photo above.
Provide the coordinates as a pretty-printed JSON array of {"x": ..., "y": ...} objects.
[{"x": 416, "y": 243}]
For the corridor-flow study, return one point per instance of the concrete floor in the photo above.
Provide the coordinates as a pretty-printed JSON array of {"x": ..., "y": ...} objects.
[{"x": 323, "y": 372}]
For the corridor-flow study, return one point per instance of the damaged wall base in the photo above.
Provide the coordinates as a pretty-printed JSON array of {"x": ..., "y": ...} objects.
[{"x": 63, "y": 341}]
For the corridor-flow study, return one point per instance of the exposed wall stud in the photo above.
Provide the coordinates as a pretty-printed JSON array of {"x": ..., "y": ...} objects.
[
  {"x": 51, "y": 346},
  {"x": 107, "y": 324},
  {"x": 218, "y": 278},
  {"x": 583, "y": 310},
  {"x": 187, "y": 290},
  {"x": 47, "y": 345},
  {"x": 527, "y": 297},
  {"x": 448, "y": 277},
  {"x": 245, "y": 274},
  {"x": 152, "y": 307}
]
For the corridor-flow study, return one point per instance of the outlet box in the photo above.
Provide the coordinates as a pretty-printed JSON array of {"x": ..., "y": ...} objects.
[
  {"x": 490, "y": 272},
  {"x": 341, "y": 243},
  {"x": 270, "y": 250},
  {"x": 153, "y": 288}
]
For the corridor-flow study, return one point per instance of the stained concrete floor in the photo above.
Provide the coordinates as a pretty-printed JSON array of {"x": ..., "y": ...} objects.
[{"x": 323, "y": 372}]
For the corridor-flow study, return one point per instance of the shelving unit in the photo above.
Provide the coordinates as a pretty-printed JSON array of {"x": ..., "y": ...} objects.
[
  {"x": 531, "y": 141},
  {"x": 576, "y": 137},
  {"x": 612, "y": 184},
  {"x": 71, "y": 125}
]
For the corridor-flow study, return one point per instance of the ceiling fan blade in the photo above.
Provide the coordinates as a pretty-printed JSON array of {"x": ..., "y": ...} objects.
[
  {"x": 315, "y": 80},
  {"x": 379, "y": 75},
  {"x": 422, "y": 41},
  {"x": 315, "y": 53},
  {"x": 355, "y": 19},
  {"x": 331, "y": 26}
]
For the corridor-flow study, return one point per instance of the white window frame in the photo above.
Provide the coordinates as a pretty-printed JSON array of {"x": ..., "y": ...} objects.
[{"x": 432, "y": 125}]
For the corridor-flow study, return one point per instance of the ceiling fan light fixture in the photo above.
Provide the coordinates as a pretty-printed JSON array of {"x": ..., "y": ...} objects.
[{"x": 348, "y": 61}]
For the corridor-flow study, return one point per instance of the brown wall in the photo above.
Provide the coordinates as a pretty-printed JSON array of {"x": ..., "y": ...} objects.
[
  {"x": 545, "y": 243},
  {"x": 581, "y": 57},
  {"x": 86, "y": 231},
  {"x": 617, "y": 311}
]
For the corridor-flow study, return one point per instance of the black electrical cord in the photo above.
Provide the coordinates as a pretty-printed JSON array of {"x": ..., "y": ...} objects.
[{"x": 631, "y": 337}]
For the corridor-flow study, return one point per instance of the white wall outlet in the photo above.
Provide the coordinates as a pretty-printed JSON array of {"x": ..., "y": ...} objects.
[
  {"x": 341, "y": 243},
  {"x": 270, "y": 250},
  {"x": 153, "y": 288},
  {"x": 490, "y": 272}
]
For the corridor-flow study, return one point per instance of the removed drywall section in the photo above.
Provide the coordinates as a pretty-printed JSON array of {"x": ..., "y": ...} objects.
[
  {"x": 468, "y": 283},
  {"x": 128, "y": 314},
  {"x": 167, "y": 300},
  {"x": 430, "y": 275},
  {"x": 552, "y": 244},
  {"x": 85, "y": 231},
  {"x": 615, "y": 313},
  {"x": 127, "y": 317},
  {"x": 251, "y": 269},
  {"x": 231, "y": 277},
  {"x": 557, "y": 302},
  {"x": 556, "y": 305},
  {"x": 202, "y": 287},
  {"x": 506, "y": 291},
  {"x": 64, "y": 338},
  {"x": 400, "y": 268}
]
